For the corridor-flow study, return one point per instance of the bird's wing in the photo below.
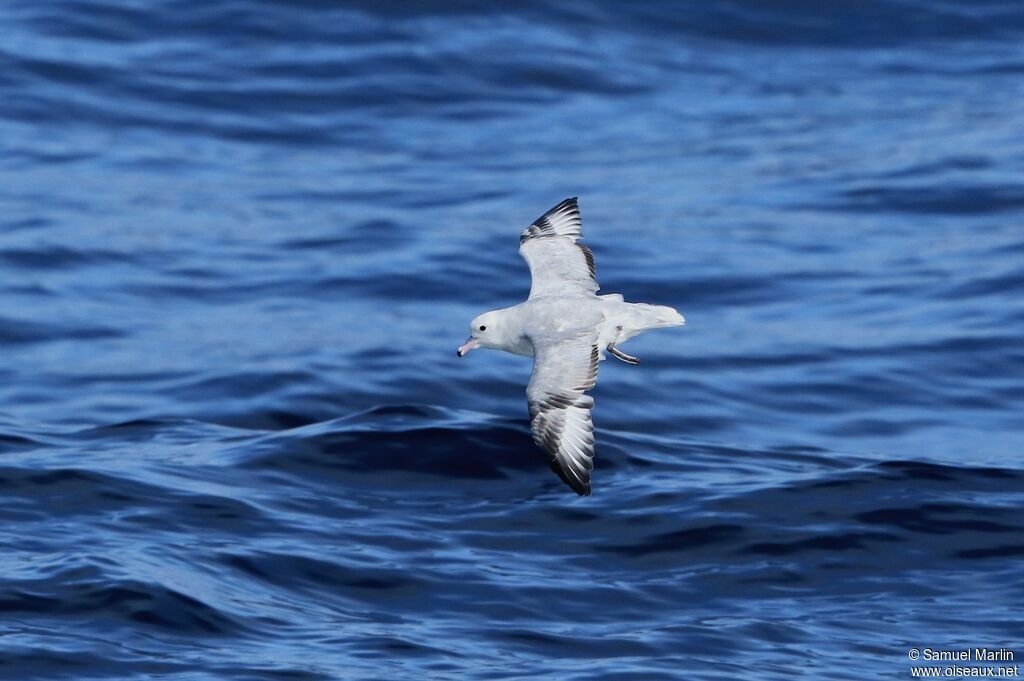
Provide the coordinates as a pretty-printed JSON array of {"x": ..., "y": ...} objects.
[
  {"x": 559, "y": 409},
  {"x": 558, "y": 262}
]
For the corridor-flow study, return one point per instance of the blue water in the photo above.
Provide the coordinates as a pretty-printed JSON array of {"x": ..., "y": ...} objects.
[{"x": 241, "y": 240}]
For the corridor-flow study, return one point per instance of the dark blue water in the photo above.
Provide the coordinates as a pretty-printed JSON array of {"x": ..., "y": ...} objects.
[{"x": 240, "y": 241}]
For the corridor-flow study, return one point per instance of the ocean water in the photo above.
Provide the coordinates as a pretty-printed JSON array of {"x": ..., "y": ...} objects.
[{"x": 241, "y": 240}]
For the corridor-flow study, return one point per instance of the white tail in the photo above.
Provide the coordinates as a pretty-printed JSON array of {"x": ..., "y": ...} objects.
[
  {"x": 658, "y": 316},
  {"x": 626, "y": 320}
]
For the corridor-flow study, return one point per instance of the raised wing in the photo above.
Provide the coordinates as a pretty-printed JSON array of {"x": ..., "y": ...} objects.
[
  {"x": 558, "y": 263},
  {"x": 559, "y": 409}
]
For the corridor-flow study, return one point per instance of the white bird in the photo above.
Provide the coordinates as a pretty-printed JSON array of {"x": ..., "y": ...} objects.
[{"x": 566, "y": 327}]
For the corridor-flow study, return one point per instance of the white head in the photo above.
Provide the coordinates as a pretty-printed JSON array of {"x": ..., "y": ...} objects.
[{"x": 484, "y": 332}]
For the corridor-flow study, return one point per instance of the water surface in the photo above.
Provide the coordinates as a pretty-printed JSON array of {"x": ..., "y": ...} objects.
[{"x": 240, "y": 241}]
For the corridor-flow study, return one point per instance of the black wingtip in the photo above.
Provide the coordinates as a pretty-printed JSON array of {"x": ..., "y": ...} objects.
[
  {"x": 581, "y": 488},
  {"x": 571, "y": 202}
]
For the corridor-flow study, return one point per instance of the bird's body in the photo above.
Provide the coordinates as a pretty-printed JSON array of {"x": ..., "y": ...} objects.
[
  {"x": 567, "y": 317},
  {"x": 567, "y": 328}
]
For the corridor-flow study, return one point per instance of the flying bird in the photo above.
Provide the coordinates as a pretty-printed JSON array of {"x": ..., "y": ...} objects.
[{"x": 567, "y": 328}]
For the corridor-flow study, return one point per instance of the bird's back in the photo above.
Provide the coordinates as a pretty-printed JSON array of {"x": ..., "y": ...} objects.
[{"x": 552, "y": 318}]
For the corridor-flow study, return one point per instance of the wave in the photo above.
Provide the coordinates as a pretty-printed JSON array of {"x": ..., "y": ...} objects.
[
  {"x": 125, "y": 602},
  {"x": 360, "y": 525}
]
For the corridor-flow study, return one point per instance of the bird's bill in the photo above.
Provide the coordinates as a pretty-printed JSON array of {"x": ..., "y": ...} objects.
[{"x": 467, "y": 346}]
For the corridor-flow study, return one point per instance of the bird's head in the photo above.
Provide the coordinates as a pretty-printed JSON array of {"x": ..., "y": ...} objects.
[{"x": 484, "y": 332}]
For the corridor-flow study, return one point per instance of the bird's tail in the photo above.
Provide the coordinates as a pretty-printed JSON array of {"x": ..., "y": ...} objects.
[
  {"x": 657, "y": 316},
  {"x": 635, "y": 318}
]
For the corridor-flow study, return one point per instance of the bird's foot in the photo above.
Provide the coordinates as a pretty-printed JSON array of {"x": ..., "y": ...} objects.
[{"x": 620, "y": 355}]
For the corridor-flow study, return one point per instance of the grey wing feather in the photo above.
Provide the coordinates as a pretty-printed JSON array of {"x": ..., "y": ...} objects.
[
  {"x": 558, "y": 263},
  {"x": 559, "y": 409}
]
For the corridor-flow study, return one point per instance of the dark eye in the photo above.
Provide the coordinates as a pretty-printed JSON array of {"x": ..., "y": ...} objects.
[{"x": 483, "y": 328}]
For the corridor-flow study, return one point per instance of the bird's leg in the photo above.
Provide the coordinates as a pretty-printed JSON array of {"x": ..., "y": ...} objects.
[{"x": 619, "y": 354}]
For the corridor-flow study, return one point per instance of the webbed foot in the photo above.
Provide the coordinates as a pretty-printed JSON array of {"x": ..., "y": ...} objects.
[{"x": 620, "y": 355}]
